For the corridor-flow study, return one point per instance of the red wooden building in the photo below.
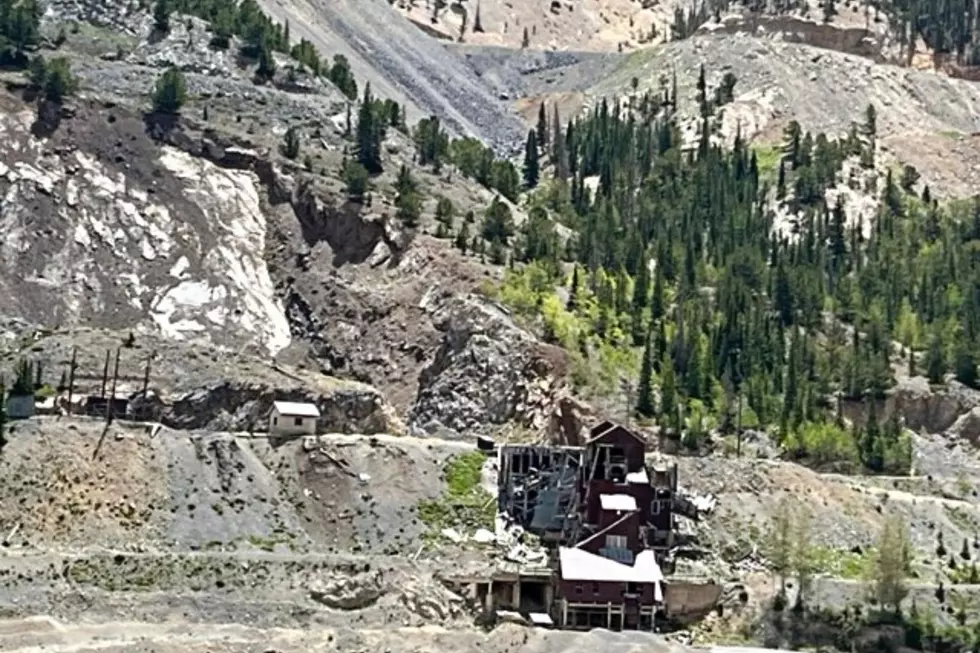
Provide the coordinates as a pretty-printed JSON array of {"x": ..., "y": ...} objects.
[{"x": 610, "y": 574}]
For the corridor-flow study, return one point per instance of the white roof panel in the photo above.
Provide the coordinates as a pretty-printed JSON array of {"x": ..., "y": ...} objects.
[
  {"x": 619, "y": 502},
  {"x": 577, "y": 564},
  {"x": 296, "y": 409},
  {"x": 638, "y": 477},
  {"x": 540, "y": 619}
]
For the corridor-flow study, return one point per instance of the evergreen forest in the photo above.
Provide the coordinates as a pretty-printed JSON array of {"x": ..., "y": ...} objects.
[{"x": 721, "y": 284}]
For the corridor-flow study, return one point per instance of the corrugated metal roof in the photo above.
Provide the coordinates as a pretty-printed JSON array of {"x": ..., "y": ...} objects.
[
  {"x": 295, "y": 409},
  {"x": 618, "y": 554},
  {"x": 576, "y": 564},
  {"x": 618, "y": 502}
]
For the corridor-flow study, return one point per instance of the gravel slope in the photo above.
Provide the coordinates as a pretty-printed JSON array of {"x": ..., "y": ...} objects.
[{"x": 403, "y": 64}]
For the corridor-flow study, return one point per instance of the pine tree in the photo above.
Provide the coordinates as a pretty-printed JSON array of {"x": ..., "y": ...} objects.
[
  {"x": 669, "y": 408},
  {"x": 542, "y": 133},
  {"x": 463, "y": 237},
  {"x": 161, "y": 15},
  {"x": 266, "y": 69},
  {"x": 641, "y": 291},
  {"x": 890, "y": 567},
  {"x": 170, "y": 92},
  {"x": 573, "y": 291},
  {"x": 357, "y": 180},
  {"x": 935, "y": 360},
  {"x": 531, "y": 169},
  {"x": 644, "y": 400},
  {"x": 368, "y": 135},
  {"x": 780, "y": 545},
  {"x": 658, "y": 305},
  {"x": 291, "y": 143},
  {"x": 966, "y": 364},
  {"x": 559, "y": 150},
  {"x": 408, "y": 204}
]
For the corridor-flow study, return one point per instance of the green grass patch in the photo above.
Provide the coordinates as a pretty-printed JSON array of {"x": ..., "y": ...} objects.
[
  {"x": 767, "y": 158},
  {"x": 599, "y": 357},
  {"x": 269, "y": 543},
  {"x": 840, "y": 563},
  {"x": 464, "y": 504}
]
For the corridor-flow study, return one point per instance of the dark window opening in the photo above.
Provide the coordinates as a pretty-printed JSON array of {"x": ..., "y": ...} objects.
[{"x": 299, "y": 421}]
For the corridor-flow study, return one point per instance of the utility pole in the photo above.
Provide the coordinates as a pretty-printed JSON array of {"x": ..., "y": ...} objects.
[
  {"x": 146, "y": 375},
  {"x": 112, "y": 399},
  {"x": 105, "y": 372},
  {"x": 71, "y": 377}
]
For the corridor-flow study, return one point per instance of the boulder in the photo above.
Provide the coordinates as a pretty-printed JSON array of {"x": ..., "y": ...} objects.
[{"x": 349, "y": 592}]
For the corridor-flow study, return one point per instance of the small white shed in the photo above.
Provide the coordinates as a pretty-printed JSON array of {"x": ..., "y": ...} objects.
[{"x": 293, "y": 418}]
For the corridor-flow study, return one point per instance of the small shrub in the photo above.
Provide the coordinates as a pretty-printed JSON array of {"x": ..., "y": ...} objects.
[{"x": 170, "y": 93}]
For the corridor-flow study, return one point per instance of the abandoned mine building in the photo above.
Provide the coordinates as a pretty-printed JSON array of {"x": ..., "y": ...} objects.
[
  {"x": 609, "y": 522},
  {"x": 293, "y": 418}
]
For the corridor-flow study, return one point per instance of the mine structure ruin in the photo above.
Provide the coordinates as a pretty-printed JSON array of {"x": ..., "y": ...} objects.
[{"x": 607, "y": 521}]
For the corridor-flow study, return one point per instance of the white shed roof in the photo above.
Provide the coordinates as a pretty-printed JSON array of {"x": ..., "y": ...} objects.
[
  {"x": 617, "y": 502},
  {"x": 577, "y": 564},
  {"x": 295, "y": 409},
  {"x": 639, "y": 477}
]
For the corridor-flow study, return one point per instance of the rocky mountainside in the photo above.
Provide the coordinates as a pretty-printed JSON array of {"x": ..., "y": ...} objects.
[
  {"x": 211, "y": 236},
  {"x": 239, "y": 273},
  {"x": 389, "y": 52}
]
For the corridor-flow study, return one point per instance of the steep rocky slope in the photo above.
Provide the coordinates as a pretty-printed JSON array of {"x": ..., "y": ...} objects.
[
  {"x": 403, "y": 64},
  {"x": 623, "y": 25},
  {"x": 118, "y": 230},
  {"x": 204, "y": 233},
  {"x": 924, "y": 118}
]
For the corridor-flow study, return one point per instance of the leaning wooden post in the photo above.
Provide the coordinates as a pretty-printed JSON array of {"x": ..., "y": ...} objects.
[
  {"x": 112, "y": 398},
  {"x": 71, "y": 377},
  {"x": 105, "y": 371}
]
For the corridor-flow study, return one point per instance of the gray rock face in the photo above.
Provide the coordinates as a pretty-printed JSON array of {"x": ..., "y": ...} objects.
[
  {"x": 935, "y": 410},
  {"x": 126, "y": 17},
  {"x": 486, "y": 372},
  {"x": 127, "y": 233},
  {"x": 952, "y": 410}
]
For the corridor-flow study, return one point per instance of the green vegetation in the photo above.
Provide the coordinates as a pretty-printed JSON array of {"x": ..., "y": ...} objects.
[
  {"x": 357, "y": 180},
  {"x": 840, "y": 563},
  {"x": 261, "y": 37},
  {"x": 53, "y": 78},
  {"x": 675, "y": 258},
  {"x": 291, "y": 143},
  {"x": 408, "y": 203},
  {"x": 464, "y": 503},
  {"x": 19, "y": 23},
  {"x": 768, "y": 159},
  {"x": 598, "y": 363},
  {"x": 25, "y": 375},
  {"x": 170, "y": 92}
]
